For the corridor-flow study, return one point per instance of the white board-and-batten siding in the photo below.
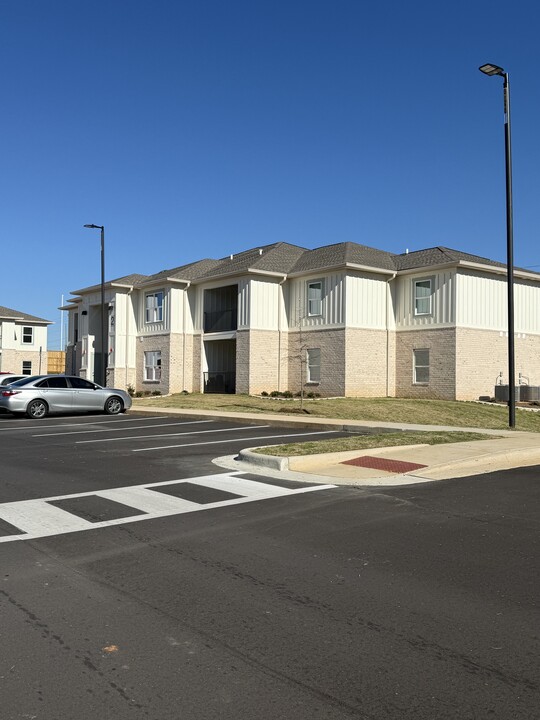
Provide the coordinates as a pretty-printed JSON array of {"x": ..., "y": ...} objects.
[
  {"x": 443, "y": 300},
  {"x": 483, "y": 303}
]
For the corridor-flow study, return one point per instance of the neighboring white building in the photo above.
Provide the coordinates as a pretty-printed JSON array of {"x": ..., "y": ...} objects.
[
  {"x": 23, "y": 343},
  {"x": 344, "y": 319}
]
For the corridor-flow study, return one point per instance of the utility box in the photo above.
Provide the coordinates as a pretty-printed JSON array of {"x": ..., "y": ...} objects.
[
  {"x": 530, "y": 393},
  {"x": 502, "y": 393}
]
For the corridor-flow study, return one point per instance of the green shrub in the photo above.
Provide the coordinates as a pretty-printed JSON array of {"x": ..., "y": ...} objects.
[{"x": 264, "y": 393}]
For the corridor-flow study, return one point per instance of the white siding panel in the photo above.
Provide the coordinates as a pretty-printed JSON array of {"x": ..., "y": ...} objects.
[
  {"x": 366, "y": 301},
  {"x": 264, "y": 304},
  {"x": 332, "y": 307},
  {"x": 443, "y": 300},
  {"x": 244, "y": 294},
  {"x": 483, "y": 303}
]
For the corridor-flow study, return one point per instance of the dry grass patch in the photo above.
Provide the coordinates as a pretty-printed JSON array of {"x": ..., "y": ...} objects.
[
  {"x": 400, "y": 410},
  {"x": 364, "y": 442}
]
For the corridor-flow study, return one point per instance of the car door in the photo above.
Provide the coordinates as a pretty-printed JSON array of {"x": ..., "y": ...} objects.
[
  {"x": 86, "y": 395},
  {"x": 57, "y": 393}
]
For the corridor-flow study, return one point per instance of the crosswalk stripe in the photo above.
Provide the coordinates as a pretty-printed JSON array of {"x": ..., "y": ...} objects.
[{"x": 38, "y": 518}]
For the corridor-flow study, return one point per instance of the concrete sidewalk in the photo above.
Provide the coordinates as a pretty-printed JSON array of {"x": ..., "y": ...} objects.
[{"x": 506, "y": 449}]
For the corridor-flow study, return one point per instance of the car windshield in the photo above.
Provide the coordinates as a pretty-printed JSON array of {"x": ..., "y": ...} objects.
[{"x": 26, "y": 380}]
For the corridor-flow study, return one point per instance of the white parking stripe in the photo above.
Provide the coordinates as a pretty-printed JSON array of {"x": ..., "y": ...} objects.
[
  {"x": 41, "y": 423},
  {"x": 195, "y": 432},
  {"x": 37, "y": 518},
  {"x": 218, "y": 442},
  {"x": 132, "y": 427}
]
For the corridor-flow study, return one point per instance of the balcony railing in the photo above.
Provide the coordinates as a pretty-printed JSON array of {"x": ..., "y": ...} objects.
[
  {"x": 221, "y": 321},
  {"x": 220, "y": 382}
]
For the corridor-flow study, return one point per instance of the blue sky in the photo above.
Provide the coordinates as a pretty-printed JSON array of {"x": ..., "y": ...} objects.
[{"x": 196, "y": 129}]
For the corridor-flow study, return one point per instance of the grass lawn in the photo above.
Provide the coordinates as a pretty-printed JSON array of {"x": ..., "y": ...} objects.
[
  {"x": 363, "y": 442},
  {"x": 421, "y": 412}
]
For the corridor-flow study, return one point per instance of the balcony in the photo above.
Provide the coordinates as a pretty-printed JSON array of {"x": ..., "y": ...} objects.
[
  {"x": 220, "y": 382},
  {"x": 220, "y": 320}
]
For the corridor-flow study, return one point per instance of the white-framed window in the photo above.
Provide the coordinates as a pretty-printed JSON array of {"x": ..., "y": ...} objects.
[
  {"x": 154, "y": 307},
  {"x": 27, "y": 367},
  {"x": 423, "y": 296},
  {"x": 315, "y": 291},
  {"x": 152, "y": 365},
  {"x": 313, "y": 364},
  {"x": 421, "y": 367},
  {"x": 28, "y": 335}
]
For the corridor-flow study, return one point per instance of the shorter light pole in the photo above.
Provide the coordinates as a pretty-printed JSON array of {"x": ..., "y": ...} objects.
[
  {"x": 104, "y": 353},
  {"x": 490, "y": 69}
]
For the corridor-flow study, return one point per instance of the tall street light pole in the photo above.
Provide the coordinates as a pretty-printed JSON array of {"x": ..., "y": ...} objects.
[
  {"x": 490, "y": 69},
  {"x": 104, "y": 349}
]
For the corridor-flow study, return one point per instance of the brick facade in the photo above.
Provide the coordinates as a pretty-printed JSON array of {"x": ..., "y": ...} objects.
[
  {"x": 368, "y": 357},
  {"x": 441, "y": 344},
  {"x": 332, "y": 343},
  {"x": 12, "y": 361},
  {"x": 483, "y": 354}
]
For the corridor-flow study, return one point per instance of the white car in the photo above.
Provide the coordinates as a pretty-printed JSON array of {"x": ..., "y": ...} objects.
[
  {"x": 7, "y": 378},
  {"x": 39, "y": 395}
]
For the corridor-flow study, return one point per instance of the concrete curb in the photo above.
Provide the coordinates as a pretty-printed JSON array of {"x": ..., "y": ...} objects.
[{"x": 273, "y": 462}]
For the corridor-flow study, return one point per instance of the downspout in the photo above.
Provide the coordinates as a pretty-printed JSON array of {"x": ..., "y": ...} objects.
[
  {"x": 388, "y": 334},
  {"x": 188, "y": 283},
  {"x": 280, "y": 284},
  {"x": 127, "y": 334}
]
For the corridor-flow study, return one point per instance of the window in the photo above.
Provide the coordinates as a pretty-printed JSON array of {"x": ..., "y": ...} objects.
[
  {"x": 314, "y": 364},
  {"x": 314, "y": 297},
  {"x": 154, "y": 307},
  {"x": 423, "y": 292},
  {"x": 152, "y": 365},
  {"x": 26, "y": 367},
  {"x": 421, "y": 367},
  {"x": 81, "y": 383},
  {"x": 28, "y": 335},
  {"x": 54, "y": 382}
]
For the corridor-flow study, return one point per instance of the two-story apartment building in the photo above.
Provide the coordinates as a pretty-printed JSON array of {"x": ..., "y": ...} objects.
[
  {"x": 23, "y": 342},
  {"x": 342, "y": 319}
]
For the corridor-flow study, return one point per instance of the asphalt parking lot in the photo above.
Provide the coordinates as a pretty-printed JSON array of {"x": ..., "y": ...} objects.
[
  {"x": 316, "y": 602},
  {"x": 67, "y": 474}
]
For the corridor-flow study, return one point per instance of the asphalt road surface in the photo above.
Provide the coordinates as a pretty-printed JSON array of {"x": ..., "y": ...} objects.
[{"x": 139, "y": 580}]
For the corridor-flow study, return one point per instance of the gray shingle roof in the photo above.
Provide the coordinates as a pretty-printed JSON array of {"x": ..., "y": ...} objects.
[
  {"x": 278, "y": 257},
  {"x": 185, "y": 272},
  {"x": 16, "y": 315},
  {"x": 341, "y": 254},
  {"x": 286, "y": 259}
]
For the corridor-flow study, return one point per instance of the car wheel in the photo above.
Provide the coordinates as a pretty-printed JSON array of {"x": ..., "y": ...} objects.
[
  {"x": 37, "y": 409},
  {"x": 114, "y": 405}
]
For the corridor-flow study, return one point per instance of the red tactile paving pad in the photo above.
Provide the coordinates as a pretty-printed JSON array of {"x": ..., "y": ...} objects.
[{"x": 382, "y": 463}]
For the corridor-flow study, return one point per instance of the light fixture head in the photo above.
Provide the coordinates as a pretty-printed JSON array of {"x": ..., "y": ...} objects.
[
  {"x": 490, "y": 69},
  {"x": 97, "y": 227}
]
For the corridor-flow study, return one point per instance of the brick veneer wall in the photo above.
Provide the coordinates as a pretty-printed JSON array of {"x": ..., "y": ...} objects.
[
  {"x": 332, "y": 343},
  {"x": 483, "y": 354},
  {"x": 367, "y": 356},
  {"x": 441, "y": 343},
  {"x": 12, "y": 360},
  {"x": 149, "y": 343}
]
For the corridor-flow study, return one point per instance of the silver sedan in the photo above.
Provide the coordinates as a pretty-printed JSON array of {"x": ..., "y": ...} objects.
[{"x": 39, "y": 395}]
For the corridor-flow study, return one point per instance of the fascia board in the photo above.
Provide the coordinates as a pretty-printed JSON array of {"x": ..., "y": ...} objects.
[
  {"x": 163, "y": 281},
  {"x": 499, "y": 270},
  {"x": 341, "y": 266}
]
